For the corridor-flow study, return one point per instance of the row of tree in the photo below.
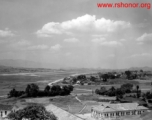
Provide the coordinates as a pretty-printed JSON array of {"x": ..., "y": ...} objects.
[
  {"x": 32, "y": 90},
  {"x": 119, "y": 92},
  {"x": 147, "y": 95}
]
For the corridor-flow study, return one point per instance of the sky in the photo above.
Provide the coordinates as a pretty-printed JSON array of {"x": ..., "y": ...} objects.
[{"x": 76, "y": 33}]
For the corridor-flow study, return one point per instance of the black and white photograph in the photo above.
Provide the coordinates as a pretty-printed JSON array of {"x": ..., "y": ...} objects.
[{"x": 75, "y": 60}]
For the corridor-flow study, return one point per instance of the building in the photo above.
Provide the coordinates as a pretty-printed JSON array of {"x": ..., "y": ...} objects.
[
  {"x": 108, "y": 110},
  {"x": 4, "y": 110},
  {"x": 62, "y": 114},
  {"x": 107, "y": 98}
]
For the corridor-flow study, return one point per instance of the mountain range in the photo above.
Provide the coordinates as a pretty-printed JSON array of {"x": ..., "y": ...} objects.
[{"x": 18, "y": 63}]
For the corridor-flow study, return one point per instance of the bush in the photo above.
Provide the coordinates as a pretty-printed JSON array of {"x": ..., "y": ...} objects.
[
  {"x": 32, "y": 112},
  {"x": 15, "y": 93}
]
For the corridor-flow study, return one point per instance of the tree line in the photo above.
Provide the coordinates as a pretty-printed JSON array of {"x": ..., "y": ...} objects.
[
  {"x": 32, "y": 90},
  {"x": 119, "y": 92}
]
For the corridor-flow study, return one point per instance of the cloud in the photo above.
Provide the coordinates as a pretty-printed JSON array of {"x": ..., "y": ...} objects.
[
  {"x": 67, "y": 54},
  {"x": 122, "y": 40},
  {"x": 141, "y": 55},
  {"x": 6, "y": 33},
  {"x": 111, "y": 43},
  {"x": 99, "y": 35},
  {"x": 27, "y": 45},
  {"x": 56, "y": 47},
  {"x": 21, "y": 43},
  {"x": 38, "y": 47},
  {"x": 104, "y": 42},
  {"x": 98, "y": 40},
  {"x": 86, "y": 23},
  {"x": 145, "y": 39},
  {"x": 73, "y": 40},
  {"x": 49, "y": 29},
  {"x": 111, "y": 55}
]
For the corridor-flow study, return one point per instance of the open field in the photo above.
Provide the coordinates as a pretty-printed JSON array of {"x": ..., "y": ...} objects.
[{"x": 19, "y": 81}]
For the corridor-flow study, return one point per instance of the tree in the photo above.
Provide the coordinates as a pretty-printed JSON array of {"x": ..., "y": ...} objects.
[
  {"x": 74, "y": 80},
  {"x": 55, "y": 90},
  {"x": 92, "y": 78},
  {"x": 47, "y": 89},
  {"x": 70, "y": 87},
  {"x": 127, "y": 87},
  {"x": 111, "y": 91},
  {"x": 65, "y": 90},
  {"x": 138, "y": 92},
  {"x": 101, "y": 91},
  {"x": 137, "y": 87},
  {"x": 12, "y": 93},
  {"x": 32, "y": 112},
  {"x": 15, "y": 93},
  {"x": 119, "y": 93},
  {"x": 112, "y": 88},
  {"x": 128, "y": 74},
  {"x": 32, "y": 90},
  {"x": 82, "y": 78},
  {"x": 105, "y": 77}
]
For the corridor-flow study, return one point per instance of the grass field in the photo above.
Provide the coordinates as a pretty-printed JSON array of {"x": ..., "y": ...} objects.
[{"x": 20, "y": 81}]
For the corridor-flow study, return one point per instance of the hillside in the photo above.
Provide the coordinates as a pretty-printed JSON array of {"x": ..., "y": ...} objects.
[{"x": 9, "y": 69}]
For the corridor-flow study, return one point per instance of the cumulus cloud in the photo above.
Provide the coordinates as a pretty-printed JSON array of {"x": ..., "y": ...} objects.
[
  {"x": 56, "y": 47},
  {"x": 6, "y": 33},
  {"x": 84, "y": 23},
  {"x": 73, "y": 40},
  {"x": 49, "y": 29},
  {"x": 145, "y": 39}
]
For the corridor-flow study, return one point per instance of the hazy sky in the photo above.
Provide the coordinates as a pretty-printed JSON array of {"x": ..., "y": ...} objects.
[{"x": 76, "y": 33}]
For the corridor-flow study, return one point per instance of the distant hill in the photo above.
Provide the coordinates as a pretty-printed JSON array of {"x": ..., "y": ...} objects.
[
  {"x": 26, "y": 64},
  {"x": 20, "y": 63},
  {"x": 142, "y": 68},
  {"x": 8, "y": 69}
]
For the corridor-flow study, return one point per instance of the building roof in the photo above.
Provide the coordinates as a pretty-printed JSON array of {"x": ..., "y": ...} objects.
[
  {"x": 107, "y": 98},
  {"x": 87, "y": 105},
  {"x": 5, "y": 107},
  {"x": 62, "y": 114},
  {"x": 118, "y": 107}
]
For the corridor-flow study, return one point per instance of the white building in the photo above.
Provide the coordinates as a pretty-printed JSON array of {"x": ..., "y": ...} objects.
[
  {"x": 107, "y": 110},
  {"x": 4, "y": 110}
]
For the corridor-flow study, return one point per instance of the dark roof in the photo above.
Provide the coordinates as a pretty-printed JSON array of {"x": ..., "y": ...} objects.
[{"x": 5, "y": 107}]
